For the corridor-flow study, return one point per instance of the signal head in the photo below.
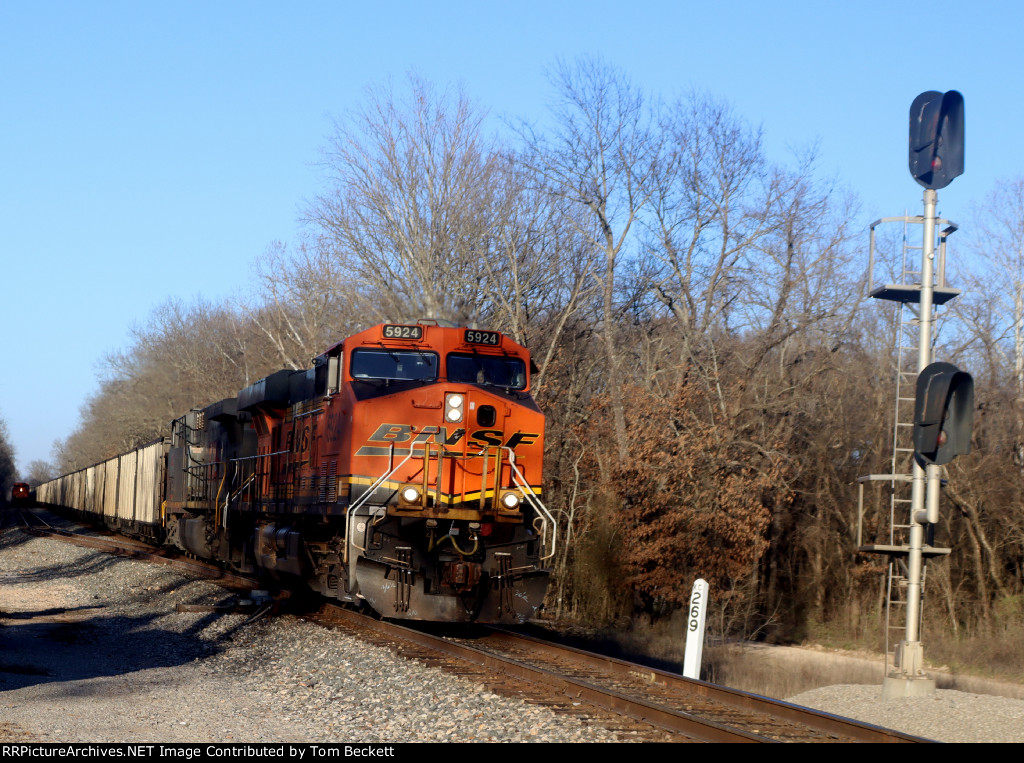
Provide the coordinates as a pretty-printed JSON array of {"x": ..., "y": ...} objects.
[
  {"x": 937, "y": 138},
  {"x": 943, "y": 414}
]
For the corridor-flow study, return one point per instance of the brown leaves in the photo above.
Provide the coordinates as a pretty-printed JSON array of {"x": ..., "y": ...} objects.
[{"x": 697, "y": 498}]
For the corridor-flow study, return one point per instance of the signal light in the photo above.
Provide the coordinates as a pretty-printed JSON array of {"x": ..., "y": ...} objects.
[
  {"x": 937, "y": 138},
  {"x": 943, "y": 414}
]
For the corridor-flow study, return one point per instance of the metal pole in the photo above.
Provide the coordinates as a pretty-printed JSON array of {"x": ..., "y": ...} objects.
[{"x": 911, "y": 663}]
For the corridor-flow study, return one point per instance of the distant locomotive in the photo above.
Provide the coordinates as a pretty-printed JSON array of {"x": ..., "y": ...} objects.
[
  {"x": 403, "y": 470},
  {"x": 21, "y": 494}
]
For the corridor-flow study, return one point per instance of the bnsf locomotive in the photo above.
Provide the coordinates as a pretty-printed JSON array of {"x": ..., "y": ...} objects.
[
  {"x": 21, "y": 494},
  {"x": 403, "y": 470}
]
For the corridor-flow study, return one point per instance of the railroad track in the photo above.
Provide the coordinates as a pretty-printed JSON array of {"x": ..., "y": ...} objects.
[
  {"x": 12, "y": 518},
  {"x": 34, "y": 523},
  {"x": 659, "y": 706},
  {"x": 634, "y": 701}
]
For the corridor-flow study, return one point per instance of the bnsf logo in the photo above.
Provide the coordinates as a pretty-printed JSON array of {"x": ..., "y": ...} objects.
[{"x": 400, "y": 433}]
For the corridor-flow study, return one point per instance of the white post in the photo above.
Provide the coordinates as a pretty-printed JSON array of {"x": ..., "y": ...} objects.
[{"x": 695, "y": 629}]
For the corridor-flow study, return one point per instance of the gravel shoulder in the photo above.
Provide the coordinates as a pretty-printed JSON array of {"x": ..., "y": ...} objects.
[
  {"x": 92, "y": 650},
  {"x": 945, "y": 716},
  {"x": 978, "y": 710}
]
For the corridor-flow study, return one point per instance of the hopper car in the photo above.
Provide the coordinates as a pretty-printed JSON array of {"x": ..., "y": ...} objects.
[{"x": 402, "y": 472}]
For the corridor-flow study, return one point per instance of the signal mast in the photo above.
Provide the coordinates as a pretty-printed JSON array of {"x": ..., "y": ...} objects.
[{"x": 943, "y": 399}]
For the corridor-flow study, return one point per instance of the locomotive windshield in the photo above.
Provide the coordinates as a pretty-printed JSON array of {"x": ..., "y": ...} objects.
[
  {"x": 487, "y": 369},
  {"x": 394, "y": 365}
]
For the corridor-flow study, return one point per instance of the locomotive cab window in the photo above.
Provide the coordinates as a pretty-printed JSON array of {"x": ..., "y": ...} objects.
[
  {"x": 495, "y": 370},
  {"x": 394, "y": 365}
]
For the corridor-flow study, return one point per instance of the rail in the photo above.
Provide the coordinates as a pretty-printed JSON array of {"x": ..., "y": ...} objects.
[{"x": 553, "y": 674}]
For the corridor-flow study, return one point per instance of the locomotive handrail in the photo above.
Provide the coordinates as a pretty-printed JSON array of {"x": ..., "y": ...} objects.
[
  {"x": 240, "y": 488},
  {"x": 523, "y": 485},
  {"x": 261, "y": 455},
  {"x": 547, "y": 519},
  {"x": 369, "y": 492},
  {"x": 217, "y": 514},
  {"x": 252, "y": 477}
]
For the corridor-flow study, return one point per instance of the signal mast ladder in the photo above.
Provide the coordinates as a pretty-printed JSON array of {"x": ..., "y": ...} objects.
[{"x": 906, "y": 333}]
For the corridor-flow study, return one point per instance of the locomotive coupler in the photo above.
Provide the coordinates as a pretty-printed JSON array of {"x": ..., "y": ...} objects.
[{"x": 461, "y": 576}]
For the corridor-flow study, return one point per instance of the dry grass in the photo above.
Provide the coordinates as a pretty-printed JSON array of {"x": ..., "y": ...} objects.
[
  {"x": 782, "y": 672},
  {"x": 991, "y": 664},
  {"x": 998, "y": 654}
]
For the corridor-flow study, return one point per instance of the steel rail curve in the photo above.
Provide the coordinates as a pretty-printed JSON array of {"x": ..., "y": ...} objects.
[
  {"x": 826, "y": 723},
  {"x": 803, "y": 724}
]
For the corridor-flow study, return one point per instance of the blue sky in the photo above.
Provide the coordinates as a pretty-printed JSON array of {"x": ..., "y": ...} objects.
[{"x": 153, "y": 149}]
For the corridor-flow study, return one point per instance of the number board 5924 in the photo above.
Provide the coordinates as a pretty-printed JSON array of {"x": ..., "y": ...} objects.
[
  {"x": 473, "y": 336},
  {"x": 393, "y": 331}
]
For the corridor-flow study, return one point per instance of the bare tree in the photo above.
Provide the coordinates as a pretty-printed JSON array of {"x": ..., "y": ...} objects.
[
  {"x": 540, "y": 277},
  {"x": 8, "y": 469},
  {"x": 425, "y": 217},
  {"x": 600, "y": 157},
  {"x": 410, "y": 209},
  {"x": 716, "y": 195},
  {"x": 998, "y": 244},
  {"x": 186, "y": 355},
  {"x": 304, "y": 302},
  {"x": 39, "y": 471}
]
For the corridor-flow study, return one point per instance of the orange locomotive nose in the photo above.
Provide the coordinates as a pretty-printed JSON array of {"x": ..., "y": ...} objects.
[
  {"x": 451, "y": 422},
  {"x": 444, "y": 440}
]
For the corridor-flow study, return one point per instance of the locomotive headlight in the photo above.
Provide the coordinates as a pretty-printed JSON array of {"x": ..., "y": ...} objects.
[
  {"x": 410, "y": 494},
  {"x": 510, "y": 501},
  {"x": 454, "y": 405}
]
